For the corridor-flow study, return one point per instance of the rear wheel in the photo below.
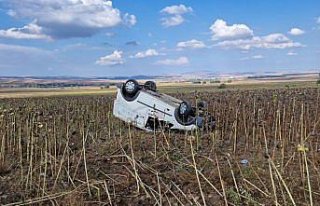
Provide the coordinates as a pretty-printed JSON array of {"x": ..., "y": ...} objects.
[
  {"x": 184, "y": 110},
  {"x": 150, "y": 85},
  {"x": 184, "y": 114}
]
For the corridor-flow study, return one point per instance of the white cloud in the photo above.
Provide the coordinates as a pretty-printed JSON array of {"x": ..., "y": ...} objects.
[
  {"x": 220, "y": 30},
  {"x": 147, "y": 53},
  {"x": 242, "y": 37},
  {"x": 176, "y": 9},
  {"x": 111, "y": 60},
  {"x": 192, "y": 44},
  {"x": 181, "y": 61},
  {"x": 129, "y": 20},
  {"x": 272, "y": 41},
  {"x": 70, "y": 18},
  {"x": 292, "y": 53},
  {"x": 318, "y": 20},
  {"x": 30, "y": 31},
  {"x": 174, "y": 15},
  {"x": 172, "y": 21},
  {"x": 296, "y": 31},
  {"x": 275, "y": 38}
]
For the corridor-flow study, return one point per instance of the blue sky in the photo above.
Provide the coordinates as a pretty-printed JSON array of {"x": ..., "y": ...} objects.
[{"x": 104, "y": 38}]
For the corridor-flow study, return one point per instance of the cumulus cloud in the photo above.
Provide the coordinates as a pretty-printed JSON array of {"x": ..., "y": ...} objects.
[
  {"x": 147, "y": 53},
  {"x": 111, "y": 60},
  {"x": 192, "y": 44},
  {"x": 220, "y": 30},
  {"x": 181, "y": 61},
  {"x": 70, "y": 18},
  {"x": 296, "y": 31},
  {"x": 172, "y": 21},
  {"x": 129, "y": 19},
  {"x": 272, "y": 41},
  {"x": 30, "y": 31},
  {"x": 174, "y": 15},
  {"x": 242, "y": 37},
  {"x": 176, "y": 9}
]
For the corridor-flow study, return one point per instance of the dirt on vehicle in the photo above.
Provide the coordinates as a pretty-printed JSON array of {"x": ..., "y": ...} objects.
[{"x": 72, "y": 151}]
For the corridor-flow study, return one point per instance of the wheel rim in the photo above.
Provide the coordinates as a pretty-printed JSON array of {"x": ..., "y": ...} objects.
[
  {"x": 183, "y": 109},
  {"x": 130, "y": 87}
]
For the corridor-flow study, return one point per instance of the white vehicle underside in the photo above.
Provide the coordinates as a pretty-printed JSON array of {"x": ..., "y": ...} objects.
[{"x": 149, "y": 110}]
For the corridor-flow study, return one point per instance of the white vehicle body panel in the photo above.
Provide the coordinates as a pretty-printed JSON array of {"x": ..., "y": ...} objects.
[{"x": 148, "y": 104}]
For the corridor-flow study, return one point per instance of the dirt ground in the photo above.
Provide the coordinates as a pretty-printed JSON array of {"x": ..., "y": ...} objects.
[{"x": 70, "y": 150}]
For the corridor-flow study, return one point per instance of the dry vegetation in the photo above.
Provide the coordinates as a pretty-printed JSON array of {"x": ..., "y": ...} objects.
[{"x": 72, "y": 151}]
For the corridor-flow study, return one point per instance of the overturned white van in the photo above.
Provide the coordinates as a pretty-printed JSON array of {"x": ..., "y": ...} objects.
[{"x": 149, "y": 110}]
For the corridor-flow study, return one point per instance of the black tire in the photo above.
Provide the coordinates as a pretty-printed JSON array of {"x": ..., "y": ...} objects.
[
  {"x": 184, "y": 110},
  {"x": 131, "y": 87},
  {"x": 150, "y": 85}
]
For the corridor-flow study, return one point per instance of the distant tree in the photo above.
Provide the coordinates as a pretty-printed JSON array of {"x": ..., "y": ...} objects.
[
  {"x": 215, "y": 81},
  {"x": 104, "y": 87},
  {"x": 222, "y": 86},
  {"x": 318, "y": 82}
]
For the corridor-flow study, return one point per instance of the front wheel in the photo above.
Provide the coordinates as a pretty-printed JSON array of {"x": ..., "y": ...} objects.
[{"x": 131, "y": 87}]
